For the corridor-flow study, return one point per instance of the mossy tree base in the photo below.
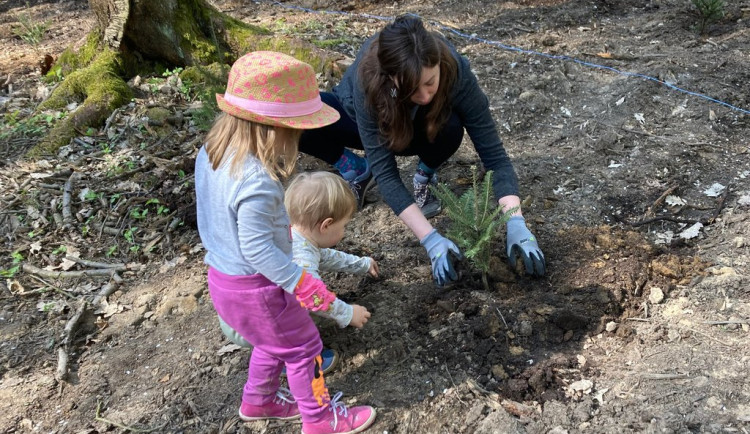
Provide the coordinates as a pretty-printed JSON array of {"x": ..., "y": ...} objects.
[
  {"x": 141, "y": 36},
  {"x": 101, "y": 89}
]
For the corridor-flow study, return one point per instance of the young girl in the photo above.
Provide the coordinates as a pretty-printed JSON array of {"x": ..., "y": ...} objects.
[
  {"x": 409, "y": 92},
  {"x": 254, "y": 285},
  {"x": 320, "y": 204}
]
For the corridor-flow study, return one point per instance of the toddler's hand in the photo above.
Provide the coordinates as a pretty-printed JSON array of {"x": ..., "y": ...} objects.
[
  {"x": 359, "y": 316},
  {"x": 374, "y": 270}
]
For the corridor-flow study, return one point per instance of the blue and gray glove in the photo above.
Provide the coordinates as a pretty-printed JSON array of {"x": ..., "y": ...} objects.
[
  {"x": 521, "y": 242},
  {"x": 440, "y": 249}
]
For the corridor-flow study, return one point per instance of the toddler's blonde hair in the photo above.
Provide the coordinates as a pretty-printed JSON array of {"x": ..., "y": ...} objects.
[
  {"x": 315, "y": 196},
  {"x": 231, "y": 140}
]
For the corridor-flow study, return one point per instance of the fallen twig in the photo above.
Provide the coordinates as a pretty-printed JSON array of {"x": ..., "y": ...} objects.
[
  {"x": 70, "y": 327},
  {"x": 704, "y": 221},
  {"x": 453, "y": 383},
  {"x": 659, "y": 200},
  {"x": 94, "y": 264},
  {"x": 501, "y": 316},
  {"x": 710, "y": 337},
  {"x": 727, "y": 322},
  {"x": 66, "y": 199},
  {"x": 108, "y": 272},
  {"x": 656, "y": 376}
]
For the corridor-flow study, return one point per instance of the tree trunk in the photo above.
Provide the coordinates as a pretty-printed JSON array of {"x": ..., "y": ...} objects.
[
  {"x": 133, "y": 34},
  {"x": 168, "y": 31}
]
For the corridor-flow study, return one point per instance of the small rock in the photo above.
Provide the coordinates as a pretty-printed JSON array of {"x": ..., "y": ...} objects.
[
  {"x": 525, "y": 328},
  {"x": 656, "y": 295},
  {"x": 739, "y": 242},
  {"x": 475, "y": 414},
  {"x": 446, "y": 305},
  {"x": 499, "y": 372},
  {"x": 611, "y": 326}
]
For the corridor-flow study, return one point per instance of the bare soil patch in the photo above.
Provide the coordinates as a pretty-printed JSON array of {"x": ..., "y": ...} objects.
[{"x": 641, "y": 324}]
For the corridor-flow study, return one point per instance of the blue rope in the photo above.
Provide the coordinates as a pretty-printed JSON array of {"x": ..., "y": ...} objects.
[{"x": 523, "y": 51}]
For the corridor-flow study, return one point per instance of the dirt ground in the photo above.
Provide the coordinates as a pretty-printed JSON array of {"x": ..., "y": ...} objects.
[{"x": 629, "y": 132}]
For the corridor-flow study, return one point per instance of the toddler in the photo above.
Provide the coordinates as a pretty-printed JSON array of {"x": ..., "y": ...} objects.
[{"x": 320, "y": 204}]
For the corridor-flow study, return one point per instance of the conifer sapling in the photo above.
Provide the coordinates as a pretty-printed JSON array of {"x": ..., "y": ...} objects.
[{"x": 475, "y": 217}]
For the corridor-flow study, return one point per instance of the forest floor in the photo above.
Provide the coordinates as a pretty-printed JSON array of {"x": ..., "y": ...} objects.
[{"x": 630, "y": 135}]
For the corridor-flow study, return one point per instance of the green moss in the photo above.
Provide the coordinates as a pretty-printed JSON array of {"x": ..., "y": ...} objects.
[
  {"x": 199, "y": 26},
  {"x": 243, "y": 37},
  {"x": 100, "y": 80},
  {"x": 101, "y": 90},
  {"x": 71, "y": 60},
  {"x": 159, "y": 114},
  {"x": 205, "y": 74}
]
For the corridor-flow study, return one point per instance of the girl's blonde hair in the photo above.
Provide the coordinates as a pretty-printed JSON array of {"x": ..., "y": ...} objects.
[
  {"x": 315, "y": 196},
  {"x": 231, "y": 140}
]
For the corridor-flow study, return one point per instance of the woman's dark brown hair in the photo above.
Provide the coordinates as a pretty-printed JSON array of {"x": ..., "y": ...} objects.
[{"x": 398, "y": 55}]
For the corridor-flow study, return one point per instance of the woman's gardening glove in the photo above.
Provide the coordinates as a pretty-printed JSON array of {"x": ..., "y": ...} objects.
[
  {"x": 440, "y": 250},
  {"x": 521, "y": 242}
]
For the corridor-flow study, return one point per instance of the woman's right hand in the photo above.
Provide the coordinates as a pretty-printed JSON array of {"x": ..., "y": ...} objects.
[{"x": 360, "y": 315}]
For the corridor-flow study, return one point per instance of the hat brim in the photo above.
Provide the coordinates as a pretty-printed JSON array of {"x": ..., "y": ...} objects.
[{"x": 325, "y": 116}]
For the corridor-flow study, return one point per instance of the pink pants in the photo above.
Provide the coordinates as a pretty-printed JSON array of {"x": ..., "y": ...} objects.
[{"x": 281, "y": 332}]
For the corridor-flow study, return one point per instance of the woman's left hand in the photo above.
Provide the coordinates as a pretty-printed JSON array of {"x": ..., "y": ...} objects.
[{"x": 521, "y": 242}]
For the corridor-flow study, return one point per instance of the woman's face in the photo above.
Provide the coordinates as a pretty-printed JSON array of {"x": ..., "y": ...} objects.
[{"x": 428, "y": 85}]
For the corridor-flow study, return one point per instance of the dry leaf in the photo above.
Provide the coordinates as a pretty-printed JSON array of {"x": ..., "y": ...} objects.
[
  {"x": 691, "y": 232},
  {"x": 16, "y": 288},
  {"x": 714, "y": 190},
  {"x": 675, "y": 201},
  {"x": 604, "y": 55},
  {"x": 228, "y": 348}
]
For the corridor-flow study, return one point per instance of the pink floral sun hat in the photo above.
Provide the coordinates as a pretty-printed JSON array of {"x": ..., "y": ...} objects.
[{"x": 275, "y": 89}]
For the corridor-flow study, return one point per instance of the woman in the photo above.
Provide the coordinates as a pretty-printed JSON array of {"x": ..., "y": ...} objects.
[{"x": 409, "y": 92}]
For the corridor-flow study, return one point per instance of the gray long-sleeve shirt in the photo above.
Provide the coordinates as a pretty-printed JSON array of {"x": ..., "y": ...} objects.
[
  {"x": 242, "y": 222},
  {"x": 468, "y": 101}
]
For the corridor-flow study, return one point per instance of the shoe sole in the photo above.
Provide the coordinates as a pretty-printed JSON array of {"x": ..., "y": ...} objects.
[
  {"x": 430, "y": 212},
  {"x": 363, "y": 194},
  {"x": 252, "y": 419},
  {"x": 362, "y": 427}
]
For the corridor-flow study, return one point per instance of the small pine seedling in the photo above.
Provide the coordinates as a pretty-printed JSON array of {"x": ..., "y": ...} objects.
[
  {"x": 475, "y": 218},
  {"x": 709, "y": 11}
]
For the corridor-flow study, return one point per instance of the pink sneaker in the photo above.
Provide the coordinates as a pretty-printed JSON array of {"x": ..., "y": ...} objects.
[
  {"x": 342, "y": 420},
  {"x": 282, "y": 407}
]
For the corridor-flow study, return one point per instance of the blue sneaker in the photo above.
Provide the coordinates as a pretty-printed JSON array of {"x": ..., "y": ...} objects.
[{"x": 330, "y": 360}]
